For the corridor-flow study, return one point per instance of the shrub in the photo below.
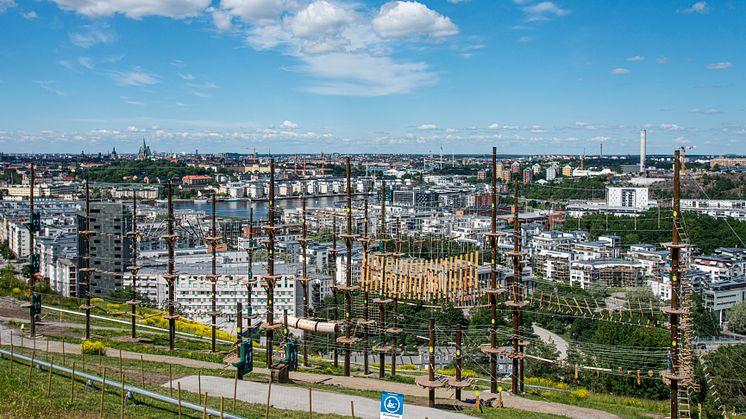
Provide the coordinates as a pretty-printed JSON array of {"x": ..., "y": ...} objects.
[
  {"x": 92, "y": 347},
  {"x": 580, "y": 393}
]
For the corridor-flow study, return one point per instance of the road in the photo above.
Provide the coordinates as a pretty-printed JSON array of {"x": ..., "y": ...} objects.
[
  {"x": 547, "y": 336},
  {"x": 296, "y": 398}
]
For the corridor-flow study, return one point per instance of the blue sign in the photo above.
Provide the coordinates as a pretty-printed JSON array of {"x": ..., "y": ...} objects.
[{"x": 392, "y": 406}]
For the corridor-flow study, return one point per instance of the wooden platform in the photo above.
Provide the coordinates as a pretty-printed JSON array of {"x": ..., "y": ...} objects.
[
  {"x": 424, "y": 381},
  {"x": 273, "y": 326},
  {"x": 488, "y": 349},
  {"x": 381, "y": 348},
  {"x": 516, "y": 304},
  {"x": 462, "y": 383},
  {"x": 347, "y": 341},
  {"x": 383, "y": 301},
  {"x": 494, "y": 290},
  {"x": 669, "y": 310}
]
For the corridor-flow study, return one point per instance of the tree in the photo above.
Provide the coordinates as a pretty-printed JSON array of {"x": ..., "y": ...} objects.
[
  {"x": 737, "y": 318},
  {"x": 704, "y": 320}
]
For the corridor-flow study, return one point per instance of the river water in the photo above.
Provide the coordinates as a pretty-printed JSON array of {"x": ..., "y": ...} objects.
[{"x": 241, "y": 208}]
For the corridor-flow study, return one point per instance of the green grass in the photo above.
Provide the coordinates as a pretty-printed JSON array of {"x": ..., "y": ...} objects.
[
  {"x": 626, "y": 407},
  {"x": 18, "y": 398}
]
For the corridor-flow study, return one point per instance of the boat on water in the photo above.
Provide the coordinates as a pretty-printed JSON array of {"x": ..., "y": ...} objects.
[
  {"x": 232, "y": 200},
  {"x": 200, "y": 201}
]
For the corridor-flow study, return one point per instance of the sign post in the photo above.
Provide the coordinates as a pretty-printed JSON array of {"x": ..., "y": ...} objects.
[{"x": 392, "y": 406}]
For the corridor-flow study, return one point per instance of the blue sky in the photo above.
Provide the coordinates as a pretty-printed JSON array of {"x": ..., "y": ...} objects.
[{"x": 528, "y": 76}]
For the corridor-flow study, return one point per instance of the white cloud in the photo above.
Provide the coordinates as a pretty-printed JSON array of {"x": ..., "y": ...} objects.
[
  {"x": 708, "y": 111},
  {"x": 186, "y": 76},
  {"x": 320, "y": 18},
  {"x": 93, "y": 35},
  {"x": 600, "y": 138},
  {"x": 619, "y": 71},
  {"x": 698, "y": 7},
  {"x": 130, "y": 101},
  {"x": 136, "y": 9},
  {"x": 427, "y": 127},
  {"x": 222, "y": 20},
  {"x": 406, "y": 19},
  {"x": 671, "y": 127},
  {"x": 30, "y": 15},
  {"x": 134, "y": 77},
  {"x": 364, "y": 74},
  {"x": 253, "y": 10},
  {"x": 49, "y": 86},
  {"x": 286, "y": 124},
  {"x": 720, "y": 66},
  {"x": 635, "y": 58},
  {"x": 6, "y": 4},
  {"x": 543, "y": 11},
  {"x": 494, "y": 126},
  {"x": 344, "y": 45},
  {"x": 661, "y": 60},
  {"x": 86, "y": 62},
  {"x": 204, "y": 86}
]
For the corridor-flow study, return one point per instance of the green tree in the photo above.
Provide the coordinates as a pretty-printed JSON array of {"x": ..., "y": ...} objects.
[
  {"x": 737, "y": 318},
  {"x": 705, "y": 323}
]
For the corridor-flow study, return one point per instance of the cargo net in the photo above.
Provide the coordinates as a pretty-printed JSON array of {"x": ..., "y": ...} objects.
[{"x": 452, "y": 280}]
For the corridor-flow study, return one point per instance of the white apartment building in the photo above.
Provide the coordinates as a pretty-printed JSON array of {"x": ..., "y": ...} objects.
[{"x": 193, "y": 292}]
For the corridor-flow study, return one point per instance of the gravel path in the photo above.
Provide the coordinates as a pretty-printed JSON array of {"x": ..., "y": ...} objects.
[
  {"x": 546, "y": 336},
  {"x": 296, "y": 398}
]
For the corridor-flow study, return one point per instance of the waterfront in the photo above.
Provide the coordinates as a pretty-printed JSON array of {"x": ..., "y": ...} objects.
[{"x": 241, "y": 208}]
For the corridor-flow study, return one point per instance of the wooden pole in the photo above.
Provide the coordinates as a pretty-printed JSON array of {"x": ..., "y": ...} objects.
[
  {"x": 31, "y": 366},
  {"x": 204, "y": 407},
  {"x": 431, "y": 372},
  {"x": 32, "y": 231},
  {"x": 458, "y": 360},
  {"x": 63, "y": 351},
  {"x": 235, "y": 388},
  {"x": 352, "y": 408},
  {"x": 675, "y": 288},
  {"x": 142, "y": 371},
  {"x": 178, "y": 385},
  {"x": 199, "y": 384},
  {"x": 121, "y": 407},
  {"x": 310, "y": 403},
  {"x": 103, "y": 390},
  {"x": 493, "y": 277},
  {"x": 221, "y": 406},
  {"x": 170, "y": 381},
  {"x": 213, "y": 276},
  {"x": 72, "y": 384},
  {"x": 269, "y": 395},
  {"x": 49, "y": 379}
]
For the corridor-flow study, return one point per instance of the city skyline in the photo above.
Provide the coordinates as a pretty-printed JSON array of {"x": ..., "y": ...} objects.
[{"x": 532, "y": 77}]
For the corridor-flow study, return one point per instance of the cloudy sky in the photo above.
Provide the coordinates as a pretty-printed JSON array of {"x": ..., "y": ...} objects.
[{"x": 528, "y": 76}]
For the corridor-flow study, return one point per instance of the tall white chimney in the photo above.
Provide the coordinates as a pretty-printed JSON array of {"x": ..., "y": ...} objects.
[{"x": 643, "y": 149}]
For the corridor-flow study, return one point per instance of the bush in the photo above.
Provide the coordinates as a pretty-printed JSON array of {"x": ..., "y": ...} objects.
[
  {"x": 92, "y": 347},
  {"x": 580, "y": 393}
]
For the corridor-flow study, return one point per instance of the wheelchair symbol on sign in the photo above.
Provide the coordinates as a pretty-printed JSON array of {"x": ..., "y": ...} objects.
[{"x": 391, "y": 404}]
